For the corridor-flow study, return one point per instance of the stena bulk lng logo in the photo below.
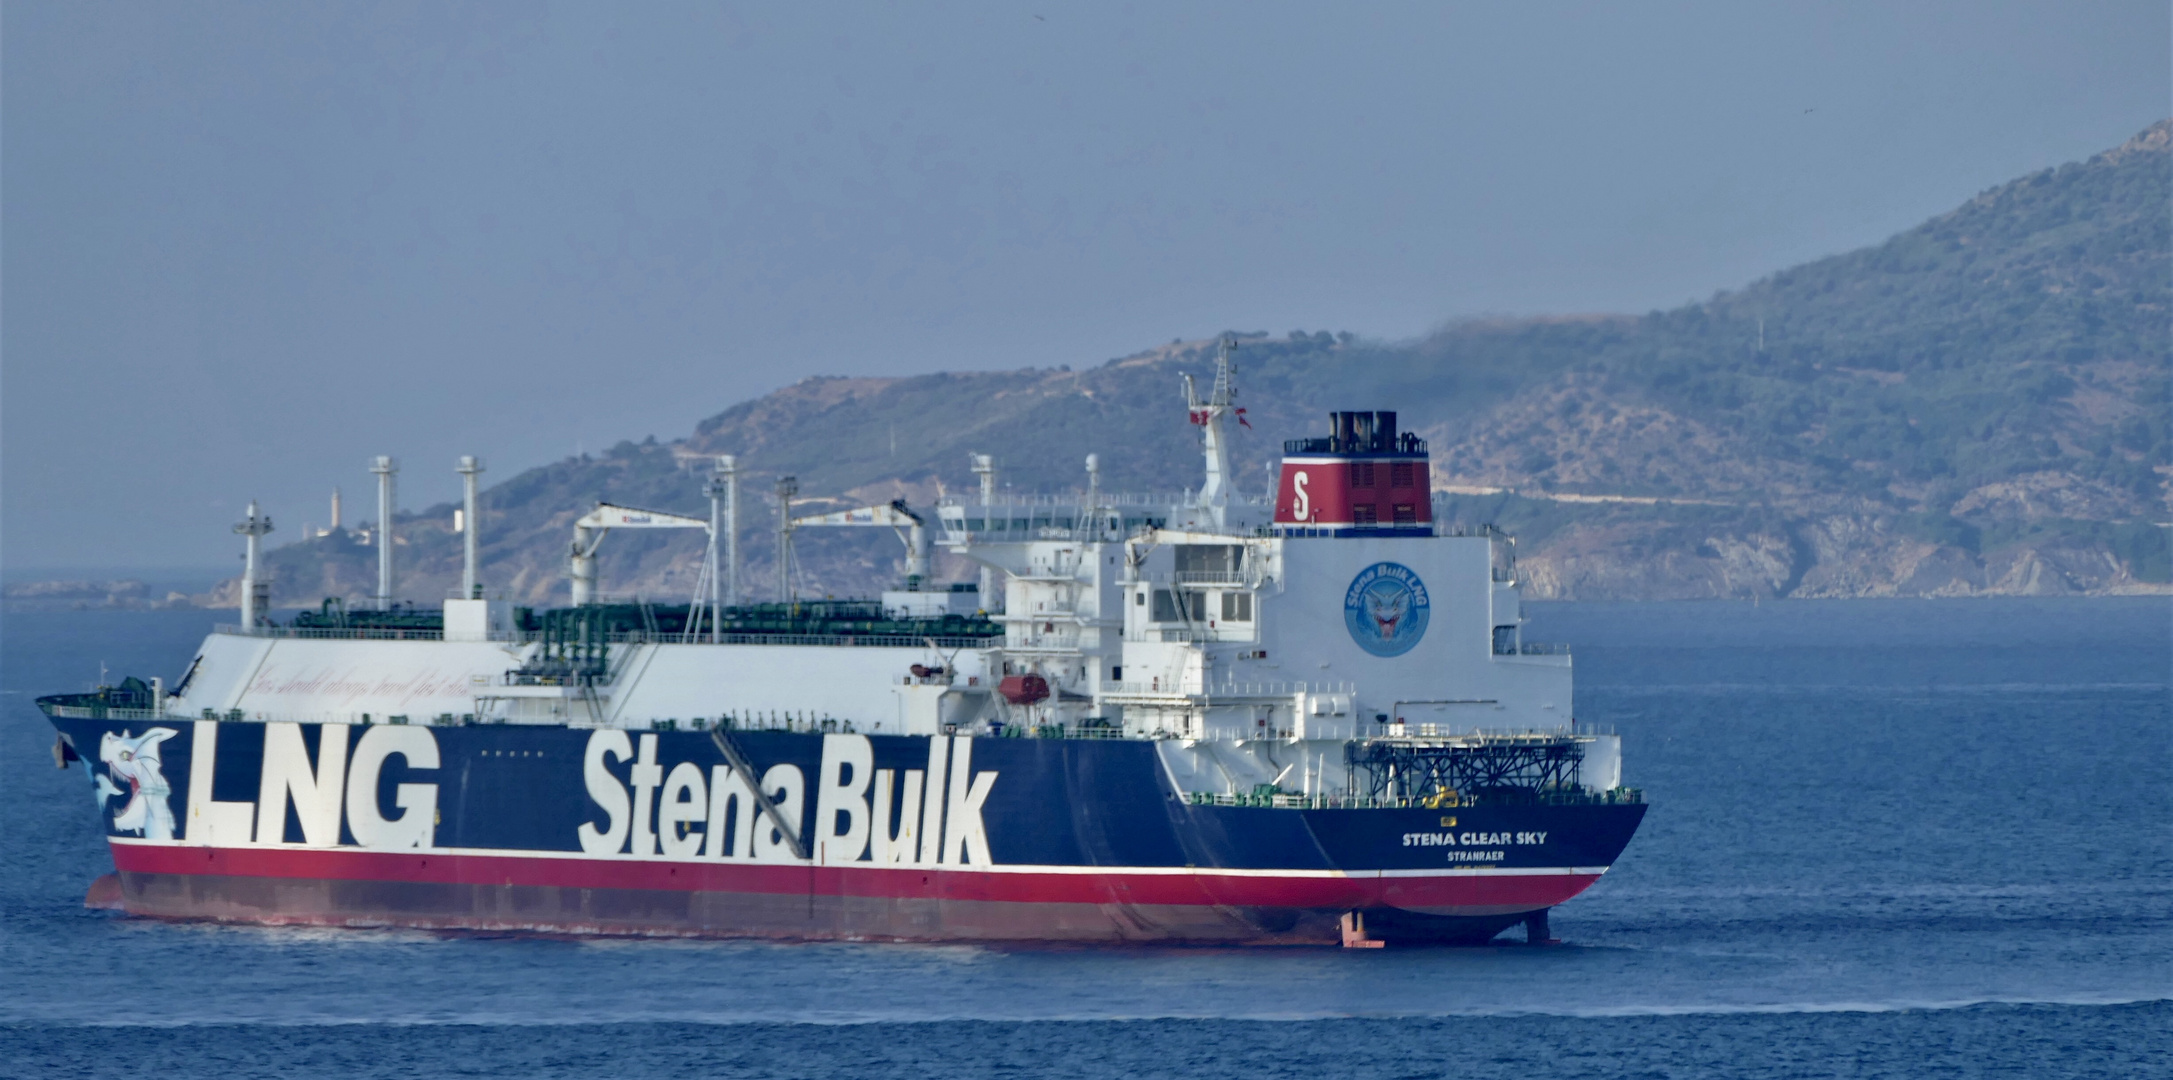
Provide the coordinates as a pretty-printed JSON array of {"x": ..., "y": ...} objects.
[
  {"x": 339, "y": 788},
  {"x": 1386, "y": 609},
  {"x": 862, "y": 814},
  {"x": 639, "y": 805}
]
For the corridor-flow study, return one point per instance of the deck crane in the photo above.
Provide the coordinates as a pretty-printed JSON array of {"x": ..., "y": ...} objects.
[
  {"x": 894, "y": 515},
  {"x": 589, "y": 532}
]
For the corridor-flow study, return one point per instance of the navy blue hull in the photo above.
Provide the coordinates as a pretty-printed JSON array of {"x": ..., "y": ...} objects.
[{"x": 555, "y": 828}]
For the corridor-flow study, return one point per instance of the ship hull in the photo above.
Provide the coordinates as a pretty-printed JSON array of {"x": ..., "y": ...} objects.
[{"x": 1066, "y": 841}]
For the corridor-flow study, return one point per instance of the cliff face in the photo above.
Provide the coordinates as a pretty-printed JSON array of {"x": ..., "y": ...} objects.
[{"x": 1977, "y": 405}]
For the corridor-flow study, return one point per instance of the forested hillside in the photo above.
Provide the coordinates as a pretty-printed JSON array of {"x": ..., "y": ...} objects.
[{"x": 1979, "y": 404}]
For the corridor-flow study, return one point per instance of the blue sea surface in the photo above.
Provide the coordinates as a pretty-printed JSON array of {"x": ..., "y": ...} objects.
[{"x": 1904, "y": 838}]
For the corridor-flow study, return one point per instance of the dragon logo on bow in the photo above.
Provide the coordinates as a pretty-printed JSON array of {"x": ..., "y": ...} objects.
[{"x": 136, "y": 760}]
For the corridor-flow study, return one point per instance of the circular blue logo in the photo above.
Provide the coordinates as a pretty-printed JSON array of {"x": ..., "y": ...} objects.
[{"x": 1385, "y": 609}]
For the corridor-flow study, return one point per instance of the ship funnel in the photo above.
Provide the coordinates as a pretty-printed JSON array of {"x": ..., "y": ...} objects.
[{"x": 1364, "y": 477}]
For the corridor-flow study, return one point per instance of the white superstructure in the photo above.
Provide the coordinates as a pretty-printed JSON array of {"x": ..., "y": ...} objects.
[{"x": 1253, "y": 640}]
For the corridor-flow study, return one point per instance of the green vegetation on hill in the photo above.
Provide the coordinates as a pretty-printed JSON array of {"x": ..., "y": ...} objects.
[
  {"x": 1998, "y": 319},
  {"x": 1960, "y": 408}
]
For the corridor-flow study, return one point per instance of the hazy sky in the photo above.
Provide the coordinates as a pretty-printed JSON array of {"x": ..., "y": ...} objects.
[{"x": 246, "y": 246}]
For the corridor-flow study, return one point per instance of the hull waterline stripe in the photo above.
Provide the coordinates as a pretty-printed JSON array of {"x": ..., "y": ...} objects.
[
  {"x": 998, "y": 868},
  {"x": 1124, "y": 885}
]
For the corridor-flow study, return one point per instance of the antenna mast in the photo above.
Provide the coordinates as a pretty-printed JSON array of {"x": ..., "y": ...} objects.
[{"x": 1212, "y": 417}]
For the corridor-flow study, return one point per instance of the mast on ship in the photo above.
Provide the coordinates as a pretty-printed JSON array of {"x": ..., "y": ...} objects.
[
  {"x": 385, "y": 468},
  {"x": 254, "y": 592},
  {"x": 469, "y": 467},
  {"x": 1211, "y": 416}
]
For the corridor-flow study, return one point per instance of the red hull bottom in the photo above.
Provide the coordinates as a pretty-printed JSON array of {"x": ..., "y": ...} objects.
[
  {"x": 658, "y": 913},
  {"x": 553, "y": 894}
]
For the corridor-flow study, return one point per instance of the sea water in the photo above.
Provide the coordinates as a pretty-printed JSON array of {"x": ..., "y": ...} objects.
[{"x": 1887, "y": 838}]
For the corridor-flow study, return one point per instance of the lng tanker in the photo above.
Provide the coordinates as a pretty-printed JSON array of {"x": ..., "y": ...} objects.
[{"x": 1189, "y": 719}]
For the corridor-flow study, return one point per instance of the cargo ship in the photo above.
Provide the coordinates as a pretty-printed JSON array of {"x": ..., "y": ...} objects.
[{"x": 1200, "y": 718}]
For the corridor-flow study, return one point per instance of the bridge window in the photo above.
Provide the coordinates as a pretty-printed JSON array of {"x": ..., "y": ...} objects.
[
  {"x": 1166, "y": 607},
  {"x": 1208, "y": 558},
  {"x": 1237, "y": 607}
]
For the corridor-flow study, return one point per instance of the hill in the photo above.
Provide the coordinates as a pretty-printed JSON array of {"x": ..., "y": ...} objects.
[{"x": 1977, "y": 405}]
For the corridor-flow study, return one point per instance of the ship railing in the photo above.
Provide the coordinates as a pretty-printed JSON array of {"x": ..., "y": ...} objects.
[
  {"x": 938, "y": 680},
  {"x": 866, "y": 641},
  {"x": 1151, "y": 688},
  {"x": 1025, "y": 642},
  {"x": 1174, "y": 688},
  {"x": 869, "y": 641},
  {"x": 1183, "y": 637},
  {"x": 1222, "y": 633},
  {"x": 89, "y": 712},
  {"x": 1245, "y": 578},
  {"x": 1105, "y": 499},
  {"x": 1446, "y": 529},
  {"x": 623, "y": 637},
  {"x": 1250, "y": 576},
  {"x": 1077, "y": 530},
  {"x": 1280, "y": 801},
  {"x": 1408, "y": 730},
  {"x": 660, "y": 603},
  {"x": 1053, "y": 570},
  {"x": 1213, "y": 577},
  {"x": 1541, "y": 648},
  {"x": 1277, "y": 689},
  {"x": 1621, "y": 796},
  {"x": 553, "y": 678},
  {"x": 352, "y": 633},
  {"x": 255, "y": 716},
  {"x": 1061, "y": 731},
  {"x": 1110, "y": 732},
  {"x": 673, "y": 637}
]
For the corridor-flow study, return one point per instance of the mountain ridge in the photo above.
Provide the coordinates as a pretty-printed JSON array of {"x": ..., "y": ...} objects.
[{"x": 1974, "y": 405}]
